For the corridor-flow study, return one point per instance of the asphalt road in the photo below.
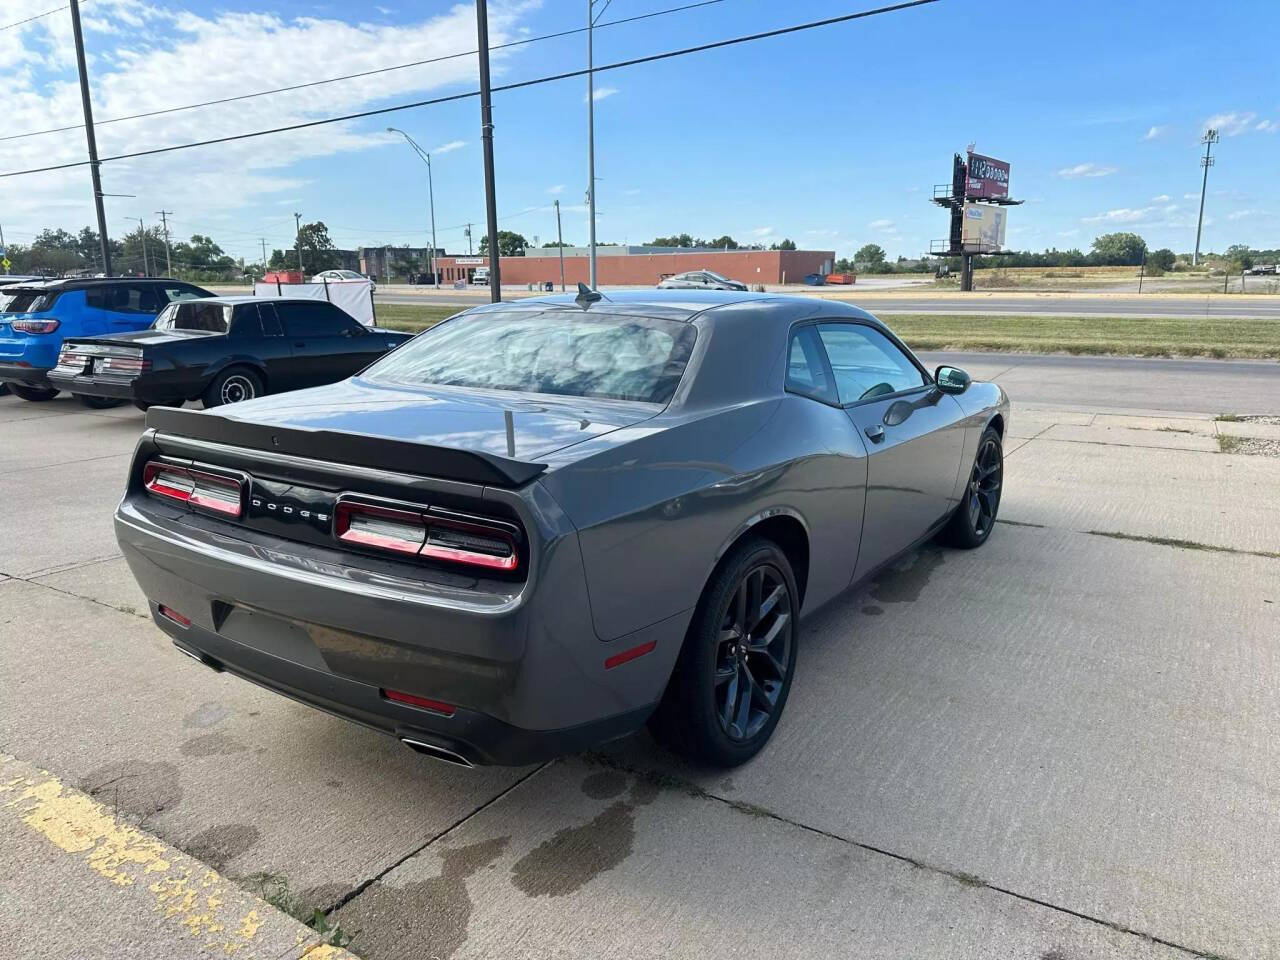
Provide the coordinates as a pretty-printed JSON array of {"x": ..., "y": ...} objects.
[
  {"x": 1064, "y": 744},
  {"x": 887, "y": 303}
]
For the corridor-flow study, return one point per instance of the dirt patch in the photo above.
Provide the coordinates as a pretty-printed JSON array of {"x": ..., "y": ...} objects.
[
  {"x": 206, "y": 715},
  {"x": 134, "y": 788},
  {"x": 1251, "y": 446}
]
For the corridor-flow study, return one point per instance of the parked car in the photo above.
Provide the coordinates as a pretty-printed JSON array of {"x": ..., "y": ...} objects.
[
  {"x": 222, "y": 350},
  {"x": 700, "y": 280},
  {"x": 39, "y": 316},
  {"x": 542, "y": 523},
  {"x": 480, "y": 275},
  {"x": 343, "y": 276}
]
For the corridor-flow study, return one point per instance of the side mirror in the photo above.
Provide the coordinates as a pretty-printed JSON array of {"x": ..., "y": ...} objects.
[{"x": 952, "y": 379}]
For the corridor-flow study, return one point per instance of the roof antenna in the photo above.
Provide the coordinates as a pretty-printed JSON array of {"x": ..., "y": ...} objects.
[{"x": 586, "y": 295}]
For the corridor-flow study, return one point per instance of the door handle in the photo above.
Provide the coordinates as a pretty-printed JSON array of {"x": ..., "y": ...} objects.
[{"x": 875, "y": 433}]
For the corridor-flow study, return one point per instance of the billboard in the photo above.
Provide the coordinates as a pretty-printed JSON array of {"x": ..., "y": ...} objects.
[
  {"x": 983, "y": 228},
  {"x": 987, "y": 179}
]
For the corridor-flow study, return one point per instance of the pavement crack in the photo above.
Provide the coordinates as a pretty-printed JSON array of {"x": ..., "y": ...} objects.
[
  {"x": 1183, "y": 544},
  {"x": 672, "y": 781},
  {"x": 370, "y": 881},
  {"x": 35, "y": 582}
]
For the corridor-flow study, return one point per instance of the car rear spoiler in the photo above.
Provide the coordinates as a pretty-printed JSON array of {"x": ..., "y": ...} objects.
[{"x": 356, "y": 449}]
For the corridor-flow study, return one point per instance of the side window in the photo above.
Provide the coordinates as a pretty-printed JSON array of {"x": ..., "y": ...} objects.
[
  {"x": 245, "y": 322},
  {"x": 806, "y": 373},
  {"x": 96, "y": 297},
  {"x": 866, "y": 363},
  {"x": 137, "y": 298},
  {"x": 317, "y": 319},
  {"x": 270, "y": 322}
]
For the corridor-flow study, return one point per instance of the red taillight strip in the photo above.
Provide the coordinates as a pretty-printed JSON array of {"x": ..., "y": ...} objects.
[
  {"x": 435, "y": 706},
  {"x": 409, "y": 532},
  {"x": 476, "y": 558},
  {"x": 414, "y": 529},
  {"x": 175, "y": 616},
  {"x": 184, "y": 485},
  {"x": 626, "y": 656}
]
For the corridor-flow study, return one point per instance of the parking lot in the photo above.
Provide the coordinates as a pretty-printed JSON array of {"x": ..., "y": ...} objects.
[{"x": 1065, "y": 744}]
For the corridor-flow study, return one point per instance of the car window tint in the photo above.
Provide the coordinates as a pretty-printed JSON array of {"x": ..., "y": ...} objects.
[
  {"x": 198, "y": 316},
  {"x": 270, "y": 321},
  {"x": 866, "y": 363},
  {"x": 553, "y": 352},
  {"x": 316, "y": 319},
  {"x": 245, "y": 321},
  {"x": 806, "y": 373},
  {"x": 30, "y": 302},
  {"x": 182, "y": 293}
]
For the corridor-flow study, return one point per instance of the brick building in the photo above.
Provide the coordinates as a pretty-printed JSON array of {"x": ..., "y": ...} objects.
[{"x": 643, "y": 265}]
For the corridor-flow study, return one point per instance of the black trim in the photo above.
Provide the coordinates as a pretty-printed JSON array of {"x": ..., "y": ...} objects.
[
  {"x": 356, "y": 449},
  {"x": 29, "y": 376}
]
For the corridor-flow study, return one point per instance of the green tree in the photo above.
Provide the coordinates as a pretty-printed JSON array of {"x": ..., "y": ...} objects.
[
  {"x": 1162, "y": 259},
  {"x": 318, "y": 251},
  {"x": 1241, "y": 254},
  {"x": 676, "y": 240},
  {"x": 871, "y": 254},
  {"x": 725, "y": 242},
  {"x": 510, "y": 244},
  {"x": 784, "y": 245},
  {"x": 551, "y": 245},
  {"x": 1118, "y": 249}
]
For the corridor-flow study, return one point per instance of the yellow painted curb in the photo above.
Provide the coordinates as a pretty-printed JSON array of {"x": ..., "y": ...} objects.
[{"x": 202, "y": 906}]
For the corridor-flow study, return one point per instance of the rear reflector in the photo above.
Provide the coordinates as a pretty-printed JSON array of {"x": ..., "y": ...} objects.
[
  {"x": 435, "y": 706},
  {"x": 175, "y": 616},
  {"x": 626, "y": 656},
  {"x": 196, "y": 487}
]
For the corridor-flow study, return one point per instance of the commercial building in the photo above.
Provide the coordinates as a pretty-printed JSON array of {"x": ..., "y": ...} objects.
[{"x": 643, "y": 265}]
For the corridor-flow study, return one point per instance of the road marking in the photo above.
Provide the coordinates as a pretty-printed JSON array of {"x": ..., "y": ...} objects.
[{"x": 197, "y": 901}]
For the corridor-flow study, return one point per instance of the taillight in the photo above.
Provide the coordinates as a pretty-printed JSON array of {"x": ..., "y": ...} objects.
[
  {"x": 128, "y": 366},
  {"x": 35, "y": 326},
  {"x": 456, "y": 538},
  {"x": 196, "y": 487}
]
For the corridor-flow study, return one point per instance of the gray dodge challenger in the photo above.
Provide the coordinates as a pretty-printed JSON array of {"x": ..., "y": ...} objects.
[{"x": 539, "y": 525}]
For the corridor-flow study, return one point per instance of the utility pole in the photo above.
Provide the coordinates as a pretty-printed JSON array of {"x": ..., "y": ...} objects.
[
  {"x": 468, "y": 239},
  {"x": 1209, "y": 139},
  {"x": 297, "y": 242},
  {"x": 591, "y": 142},
  {"x": 168, "y": 256},
  {"x": 4, "y": 255},
  {"x": 142, "y": 232},
  {"x": 90, "y": 139},
  {"x": 264, "y": 253},
  {"x": 560, "y": 245},
  {"x": 486, "y": 124}
]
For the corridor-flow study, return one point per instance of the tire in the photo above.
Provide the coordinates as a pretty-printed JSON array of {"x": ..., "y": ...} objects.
[
  {"x": 142, "y": 405},
  {"x": 725, "y": 697},
  {"x": 975, "y": 517},
  {"x": 34, "y": 394},
  {"x": 233, "y": 385},
  {"x": 4, "y": 389},
  {"x": 98, "y": 403}
]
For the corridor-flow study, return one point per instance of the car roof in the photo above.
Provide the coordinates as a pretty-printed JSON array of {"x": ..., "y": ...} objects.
[
  {"x": 683, "y": 304},
  {"x": 247, "y": 298},
  {"x": 81, "y": 283}
]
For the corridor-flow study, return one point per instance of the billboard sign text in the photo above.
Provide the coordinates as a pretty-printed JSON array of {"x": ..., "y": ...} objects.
[{"x": 988, "y": 179}]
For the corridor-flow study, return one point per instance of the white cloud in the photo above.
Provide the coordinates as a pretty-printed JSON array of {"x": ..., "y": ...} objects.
[
  {"x": 1191, "y": 196},
  {"x": 600, "y": 93},
  {"x": 1085, "y": 170},
  {"x": 449, "y": 148},
  {"x": 554, "y": 191},
  {"x": 884, "y": 225},
  {"x": 1244, "y": 214},
  {"x": 1155, "y": 132},
  {"x": 762, "y": 232},
  {"x": 1074, "y": 231},
  {"x": 1267, "y": 126},
  {"x": 1230, "y": 124},
  {"x": 1133, "y": 214},
  {"x": 1163, "y": 198}
]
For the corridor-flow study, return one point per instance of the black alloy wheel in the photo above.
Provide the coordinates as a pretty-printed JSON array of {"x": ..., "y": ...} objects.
[
  {"x": 975, "y": 516},
  {"x": 753, "y": 655}
]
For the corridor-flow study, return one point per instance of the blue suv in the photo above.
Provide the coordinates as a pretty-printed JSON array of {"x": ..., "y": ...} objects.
[{"x": 39, "y": 315}]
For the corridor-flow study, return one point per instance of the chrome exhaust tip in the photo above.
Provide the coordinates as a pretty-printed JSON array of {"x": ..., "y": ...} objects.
[{"x": 440, "y": 753}]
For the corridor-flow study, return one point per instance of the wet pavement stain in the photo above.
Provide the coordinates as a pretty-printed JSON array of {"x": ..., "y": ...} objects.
[
  {"x": 604, "y": 784},
  {"x": 218, "y": 846},
  {"x": 206, "y": 715},
  {"x": 575, "y": 856},
  {"x": 427, "y": 918},
  {"x": 212, "y": 745},
  {"x": 134, "y": 788},
  {"x": 871, "y": 610},
  {"x": 903, "y": 584}
]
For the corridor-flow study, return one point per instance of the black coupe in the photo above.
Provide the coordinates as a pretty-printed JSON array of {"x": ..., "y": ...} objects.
[{"x": 222, "y": 350}]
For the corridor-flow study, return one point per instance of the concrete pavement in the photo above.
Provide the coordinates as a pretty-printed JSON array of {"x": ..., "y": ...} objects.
[{"x": 1064, "y": 744}]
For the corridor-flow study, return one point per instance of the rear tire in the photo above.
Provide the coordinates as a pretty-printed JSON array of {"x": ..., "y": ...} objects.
[
  {"x": 98, "y": 403},
  {"x": 34, "y": 394},
  {"x": 731, "y": 682},
  {"x": 142, "y": 405},
  {"x": 233, "y": 385},
  {"x": 975, "y": 517}
]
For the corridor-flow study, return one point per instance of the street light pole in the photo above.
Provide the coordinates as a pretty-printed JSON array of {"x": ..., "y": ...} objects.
[
  {"x": 1210, "y": 138},
  {"x": 591, "y": 142},
  {"x": 431, "y": 195},
  {"x": 486, "y": 135},
  {"x": 297, "y": 242},
  {"x": 560, "y": 245},
  {"x": 90, "y": 139},
  {"x": 142, "y": 232}
]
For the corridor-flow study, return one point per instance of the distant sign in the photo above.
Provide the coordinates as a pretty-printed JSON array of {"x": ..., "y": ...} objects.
[
  {"x": 987, "y": 179},
  {"x": 6, "y": 264},
  {"x": 984, "y": 228},
  {"x": 470, "y": 260}
]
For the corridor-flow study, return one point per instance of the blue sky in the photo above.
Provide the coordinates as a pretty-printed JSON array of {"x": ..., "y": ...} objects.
[{"x": 832, "y": 137}]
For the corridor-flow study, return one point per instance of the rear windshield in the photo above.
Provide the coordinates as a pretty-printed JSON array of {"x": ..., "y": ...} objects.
[
  {"x": 29, "y": 301},
  {"x": 556, "y": 352},
  {"x": 195, "y": 317}
]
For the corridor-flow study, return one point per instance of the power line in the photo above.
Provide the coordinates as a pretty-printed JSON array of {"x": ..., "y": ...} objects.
[
  {"x": 636, "y": 61},
  {"x": 18, "y": 23},
  {"x": 356, "y": 76}
]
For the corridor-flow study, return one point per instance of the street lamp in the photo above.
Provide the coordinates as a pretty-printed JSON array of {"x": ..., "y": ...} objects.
[{"x": 431, "y": 195}]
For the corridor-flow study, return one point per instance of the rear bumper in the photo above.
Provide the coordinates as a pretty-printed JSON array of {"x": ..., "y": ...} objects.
[
  {"x": 29, "y": 376},
  {"x": 92, "y": 386},
  {"x": 523, "y": 671}
]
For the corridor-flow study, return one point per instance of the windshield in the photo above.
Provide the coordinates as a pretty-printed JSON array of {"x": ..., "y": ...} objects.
[
  {"x": 195, "y": 316},
  {"x": 717, "y": 276},
  {"x": 556, "y": 352}
]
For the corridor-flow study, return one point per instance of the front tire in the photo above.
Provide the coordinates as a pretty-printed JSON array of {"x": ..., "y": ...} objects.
[
  {"x": 975, "y": 517},
  {"x": 232, "y": 386},
  {"x": 98, "y": 403},
  {"x": 732, "y": 679},
  {"x": 34, "y": 394}
]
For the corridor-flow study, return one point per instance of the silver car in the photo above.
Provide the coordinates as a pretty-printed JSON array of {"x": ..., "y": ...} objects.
[
  {"x": 540, "y": 524},
  {"x": 700, "y": 280}
]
